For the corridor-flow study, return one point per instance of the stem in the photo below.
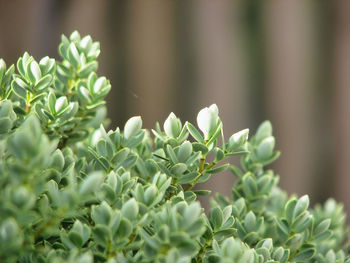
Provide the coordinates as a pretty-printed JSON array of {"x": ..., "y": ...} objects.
[
  {"x": 201, "y": 171},
  {"x": 293, "y": 255},
  {"x": 27, "y": 102},
  {"x": 203, "y": 250}
]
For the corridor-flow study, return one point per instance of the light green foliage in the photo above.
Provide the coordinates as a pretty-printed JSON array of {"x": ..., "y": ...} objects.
[{"x": 72, "y": 192}]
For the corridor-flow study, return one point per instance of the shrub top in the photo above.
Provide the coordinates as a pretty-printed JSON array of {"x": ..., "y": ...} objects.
[{"x": 72, "y": 192}]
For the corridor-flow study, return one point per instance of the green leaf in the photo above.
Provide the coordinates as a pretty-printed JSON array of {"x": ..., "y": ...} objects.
[
  {"x": 265, "y": 148},
  {"x": 188, "y": 177},
  {"x": 225, "y": 233},
  {"x": 301, "y": 205},
  {"x": 57, "y": 160},
  {"x": 200, "y": 147},
  {"x": 101, "y": 234},
  {"x": 43, "y": 83},
  {"x": 9, "y": 230},
  {"x": 19, "y": 88},
  {"x": 205, "y": 177},
  {"x": 47, "y": 65},
  {"x": 302, "y": 222},
  {"x": 188, "y": 248},
  {"x": 85, "y": 43},
  {"x": 152, "y": 242},
  {"x": 251, "y": 238},
  {"x": 105, "y": 149},
  {"x": 34, "y": 72},
  {"x": 8, "y": 76},
  {"x": 289, "y": 209},
  {"x": 172, "y": 126},
  {"x": 219, "y": 154},
  {"x": 61, "y": 105},
  {"x": 136, "y": 140},
  {"x": 172, "y": 154},
  {"x": 322, "y": 226},
  {"x": 237, "y": 140},
  {"x": 216, "y": 218},
  {"x": 282, "y": 228},
  {"x": 37, "y": 98},
  {"x": 278, "y": 253},
  {"x": 218, "y": 169},
  {"x": 194, "y": 132},
  {"x": 101, "y": 214},
  {"x": 87, "y": 69},
  {"x": 264, "y": 131},
  {"x": 237, "y": 153},
  {"x": 178, "y": 169},
  {"x": 76, "y": 239},
  {"x": 125, "y": 229},
  {"x": 150, "y": 194},
  {"x": 294, "y": 242},
  {"x": 5, "y": 125},
  {"x": 73, "y": 55},
  {"x": 250, "y": 222},
  {"x": 307, "y": 252},
  {"x": 191, "y": 214},
  {"x": 120, "y": 156},
  {"x": 184, "y": 151},
  {"x": 2, "y": 70},
  {"x": 132, "y": 127},
  {"x": 129, "y": 162},
  {"x": 90, "y": 184},
  {"x": 249, "y": 185},
  {"x": 130, "y": 209},
  {"x": 215, "y": 134},
  {"x": 22, "y": 64}
]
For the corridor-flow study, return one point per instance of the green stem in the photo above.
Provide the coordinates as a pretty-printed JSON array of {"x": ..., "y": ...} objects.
[
  {"x": 201, "y": 171},
  {"x": 203, "y": 250}
]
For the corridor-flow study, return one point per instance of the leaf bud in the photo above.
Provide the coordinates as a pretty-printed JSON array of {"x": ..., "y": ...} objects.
[
  {"x": 132, "y": 127},
  {"x": 172, "y": 126},
  {"x": 250, "y": 221},
  {"x": 237, "y": 140},
  {"x": 208, "y": 120},
  {"x": 2, "y": 69},
  {"x": 265, "y": 148},
  {"x": 264, "y": 130}
]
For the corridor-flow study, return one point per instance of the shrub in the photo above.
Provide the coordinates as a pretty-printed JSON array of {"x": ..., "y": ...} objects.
[{"x": 72, "y": 192}]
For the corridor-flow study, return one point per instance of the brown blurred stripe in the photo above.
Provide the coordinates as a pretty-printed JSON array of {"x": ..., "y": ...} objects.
[
  {"x": 341, "y": 117},
  {"x": 288, "y": 95},
  {"x": 150, "y": 40}
]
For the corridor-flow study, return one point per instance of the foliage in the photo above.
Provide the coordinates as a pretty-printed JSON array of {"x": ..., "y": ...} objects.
[{"x": 72, "y": 192}]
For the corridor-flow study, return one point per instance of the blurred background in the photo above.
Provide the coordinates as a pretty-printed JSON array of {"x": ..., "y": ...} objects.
[{"x": 286, "y": 61}]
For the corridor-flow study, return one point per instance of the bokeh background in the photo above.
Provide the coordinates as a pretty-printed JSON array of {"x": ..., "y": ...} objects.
[{"x": 286, "y": 61}]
